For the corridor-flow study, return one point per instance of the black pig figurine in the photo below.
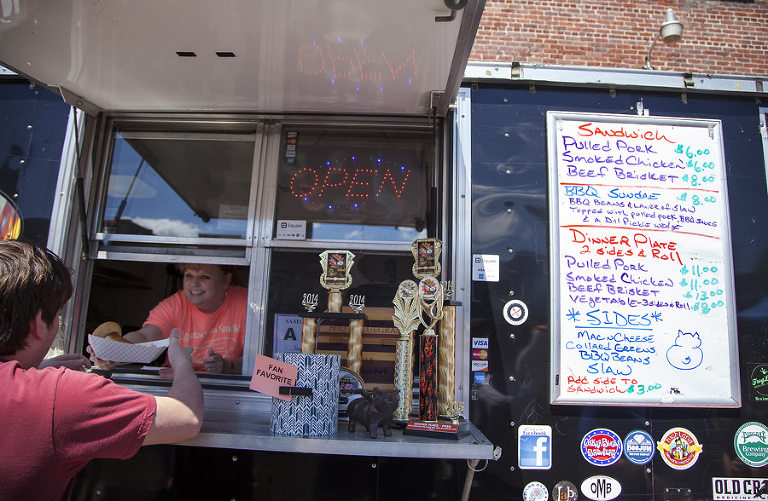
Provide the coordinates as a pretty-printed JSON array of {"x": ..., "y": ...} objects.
[{"x": 373, "y": 409}]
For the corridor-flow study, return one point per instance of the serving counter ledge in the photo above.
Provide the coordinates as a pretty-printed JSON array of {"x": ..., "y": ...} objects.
[{"x": 239, "y": 418}]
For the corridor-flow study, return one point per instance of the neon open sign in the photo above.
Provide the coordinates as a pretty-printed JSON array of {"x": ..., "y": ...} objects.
[{"x": 349, "y": 182}]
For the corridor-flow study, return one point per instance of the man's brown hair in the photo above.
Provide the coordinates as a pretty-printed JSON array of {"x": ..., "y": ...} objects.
[{"x": 32, "y": 279}]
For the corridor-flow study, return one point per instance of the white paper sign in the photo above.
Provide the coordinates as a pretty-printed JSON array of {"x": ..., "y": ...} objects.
[
  {"x": 291, "y": 230},
  {"x": 643, "y": 307},
  {"x": 485, "y": 268},
  {"x": 287, "y": 336}
]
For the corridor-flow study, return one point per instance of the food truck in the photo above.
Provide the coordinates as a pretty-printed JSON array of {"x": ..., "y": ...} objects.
[{"x": 597, "y": 238}]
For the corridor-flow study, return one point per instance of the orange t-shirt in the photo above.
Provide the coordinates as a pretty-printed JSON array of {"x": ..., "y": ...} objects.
[{"x": 223, "y": 330}]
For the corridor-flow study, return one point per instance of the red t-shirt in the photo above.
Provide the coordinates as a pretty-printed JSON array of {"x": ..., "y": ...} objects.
[
  {"x": 223, "y": 330},
  {"x": 53, "y": 421}
]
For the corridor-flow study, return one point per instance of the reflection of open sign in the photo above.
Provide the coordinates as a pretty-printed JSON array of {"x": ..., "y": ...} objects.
[
  {"x": 515, "y": 312},
  {"x": 10, "y": 220}
]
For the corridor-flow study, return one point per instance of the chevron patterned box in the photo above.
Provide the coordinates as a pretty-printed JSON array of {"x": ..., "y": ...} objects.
[{"x": 315, "y": 415}]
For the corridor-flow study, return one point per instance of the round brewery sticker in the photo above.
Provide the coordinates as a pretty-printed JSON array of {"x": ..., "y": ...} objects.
[
  {"x": 679, "y": 448},
  {"x": 601, "y": 447},
  {"x": 639, "y": 447},
  {"x": 535, "y": 491},
  {"x": 565, "y": 491},
  {"x": 751, "y": 444}
]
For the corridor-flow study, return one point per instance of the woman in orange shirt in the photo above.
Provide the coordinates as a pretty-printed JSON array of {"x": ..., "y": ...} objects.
[{"x": 210, "y": 314}]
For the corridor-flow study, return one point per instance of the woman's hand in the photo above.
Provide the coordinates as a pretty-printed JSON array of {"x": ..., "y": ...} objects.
[{"x": 215, "y": 363}]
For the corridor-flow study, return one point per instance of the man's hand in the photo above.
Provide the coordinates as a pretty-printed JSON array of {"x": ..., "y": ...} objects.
[
  {"x": 214, "y": 363},
  {"x": 106, "y": 365},
  {"x": 179, "y": 358},
  {"x": 74, "y": 361}
]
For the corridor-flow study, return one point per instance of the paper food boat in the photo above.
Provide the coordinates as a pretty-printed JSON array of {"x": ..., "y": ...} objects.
[{"x": 139, "y": 353}]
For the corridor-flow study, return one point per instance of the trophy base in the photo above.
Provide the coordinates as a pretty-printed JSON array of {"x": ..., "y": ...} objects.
[
  {"x": 447, "y": 430},
  {"x": 399, "y": 423}
]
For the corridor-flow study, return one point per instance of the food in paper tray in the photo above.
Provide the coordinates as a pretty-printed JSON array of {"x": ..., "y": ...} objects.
[
  {"x": 108, "y": 344},
  {"x": 110, "y": 330}
]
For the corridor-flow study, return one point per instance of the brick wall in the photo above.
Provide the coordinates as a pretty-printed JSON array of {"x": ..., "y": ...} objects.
[{"x": 719, "y": 37}]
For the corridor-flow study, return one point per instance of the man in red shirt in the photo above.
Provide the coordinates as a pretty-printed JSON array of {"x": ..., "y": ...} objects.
[{"x": 55, "y": 420}]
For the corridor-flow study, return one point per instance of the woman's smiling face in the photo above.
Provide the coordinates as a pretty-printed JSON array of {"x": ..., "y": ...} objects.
[{"x": 205, "y": 285}]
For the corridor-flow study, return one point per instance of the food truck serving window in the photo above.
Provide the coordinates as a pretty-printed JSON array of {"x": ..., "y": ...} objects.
[
  {"x": 353, "y": 185},
  {"x": 190, "y": 185}
]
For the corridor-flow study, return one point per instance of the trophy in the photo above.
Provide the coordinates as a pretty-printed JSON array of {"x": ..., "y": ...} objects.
[
  {"x": 431, "y": 301},
  {"x": 355, "y": 342},
  {"x": 335, "y": 277},
  {"x": 308, "y": 324},
  {"x": 439, "y": 414},
  {"x": 406, "y": 319},
  {"x": 446, "y": 358}
]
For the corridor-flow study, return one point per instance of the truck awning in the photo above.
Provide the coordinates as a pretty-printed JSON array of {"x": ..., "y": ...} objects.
[{"x": 331, "y": 56}]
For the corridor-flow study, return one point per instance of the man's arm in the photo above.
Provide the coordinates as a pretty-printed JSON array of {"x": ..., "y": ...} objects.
[
  {"x": 179, "y": 414},
  {"x": 74, "y": 361}
]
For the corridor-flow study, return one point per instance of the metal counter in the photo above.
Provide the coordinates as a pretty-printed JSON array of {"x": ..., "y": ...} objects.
[{"x": 238, "y": 418}]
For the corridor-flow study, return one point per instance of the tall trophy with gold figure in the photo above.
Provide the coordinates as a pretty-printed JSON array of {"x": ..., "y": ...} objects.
[
  {"x": 439, "y": 413},
  {"x": 426, "y": 266},
  {"x": 406, "y": 320}
]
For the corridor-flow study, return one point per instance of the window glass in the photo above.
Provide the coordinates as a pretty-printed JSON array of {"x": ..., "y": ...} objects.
[
  {"x": 125, "y": 292},
  {"x": 354, "y": 185},
  {"x": 179, "y": 185},
  {"x": 33, "y": 127},
  {"x": 375, "y": 277}
]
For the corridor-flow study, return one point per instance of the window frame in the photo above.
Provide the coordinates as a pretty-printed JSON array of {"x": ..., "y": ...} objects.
[{"x": 256, "y": 249}]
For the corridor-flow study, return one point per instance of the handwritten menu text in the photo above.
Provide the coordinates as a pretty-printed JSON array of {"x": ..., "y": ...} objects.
[{"x": 643, "y": 266}]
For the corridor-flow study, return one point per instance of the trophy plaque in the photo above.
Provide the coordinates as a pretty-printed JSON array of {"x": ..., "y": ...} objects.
[
  {"x": 336, "y": 277},
  {"x": 426, "y": 254},
  {"x": 336, "y": 267}
]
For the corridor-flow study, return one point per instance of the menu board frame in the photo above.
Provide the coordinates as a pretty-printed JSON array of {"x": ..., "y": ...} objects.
[{"x": 578, "y": 374}]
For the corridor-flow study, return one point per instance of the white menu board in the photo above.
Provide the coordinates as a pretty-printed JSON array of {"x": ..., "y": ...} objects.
[{"x": 643, "y": 309}]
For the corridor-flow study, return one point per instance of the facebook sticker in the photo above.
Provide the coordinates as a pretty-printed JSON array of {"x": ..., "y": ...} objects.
[{"x": 534, "y": 447}]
